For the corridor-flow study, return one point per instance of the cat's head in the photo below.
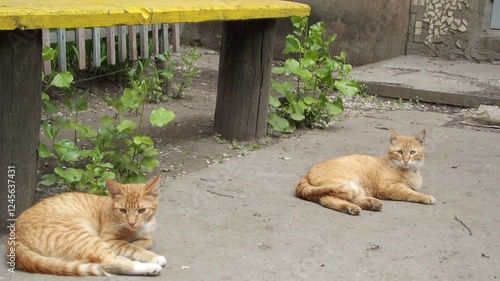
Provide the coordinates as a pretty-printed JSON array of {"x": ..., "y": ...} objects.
[
  {"x": 134, "y": 205},
  {"x": 406, "y": 151}
]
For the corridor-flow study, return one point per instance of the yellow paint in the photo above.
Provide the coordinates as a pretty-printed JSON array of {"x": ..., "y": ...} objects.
[{"x": 37, "y": 14}]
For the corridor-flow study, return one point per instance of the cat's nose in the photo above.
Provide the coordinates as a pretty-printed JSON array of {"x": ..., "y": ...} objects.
[{"x": 131, "y": 224}]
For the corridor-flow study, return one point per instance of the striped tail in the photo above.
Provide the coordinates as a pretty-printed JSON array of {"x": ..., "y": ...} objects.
[
  {"x": 28, "y": 260},
  {"x": 312, "y": 193}
]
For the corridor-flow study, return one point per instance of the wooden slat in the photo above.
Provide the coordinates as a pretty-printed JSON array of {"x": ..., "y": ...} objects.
[
  {"x": 61, "y": 45},
  {"x": 165, "y": 45},
  {"x": 176, "y": 44},
  {"x": 38, "y": 14},
  {"x": 156, "y": 39},
  {"x": 144, "y": 41},
  {"x": 110, "y": 45},
  {"x": 47, "y": 68},
  {"x": 132, "y": 42},
  {"x": 80, "y": 47},
  {"x": 122, "y": 43},
  {"x": 96, "y": 47}
]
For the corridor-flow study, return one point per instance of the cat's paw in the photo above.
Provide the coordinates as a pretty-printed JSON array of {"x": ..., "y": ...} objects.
[
  {"x": 161, "y": 260},
  {"x": 430, "y": 200},
  {"x": 150, "y": 269},
  {"x": 353, "y": 210}
]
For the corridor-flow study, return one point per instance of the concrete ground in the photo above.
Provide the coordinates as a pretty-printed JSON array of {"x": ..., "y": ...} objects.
[
  {"x": 239, "y": 220},
  {"x": 433, "y": 80}
]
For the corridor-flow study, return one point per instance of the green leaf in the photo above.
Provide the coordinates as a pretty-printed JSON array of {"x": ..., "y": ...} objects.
[
  {"x": 66, "y": 150},
  {"x": 49, "y": 130},
  {"x": 304, "y": 73},
  {"x": 48, "y": 180},
  {"x": 274, "y": 102},
  {"x": 149, "y": 151},
  {"x": 292, "y": 45},
  {"x": 81, "y": 103},
  {"x": 278, "y": 70},
  {"x": 71, "y": 175},
  {"x": 143, "y": 140},
  {"x": 84, "y": 130},
  {"x": 348, "y": 87},
  {"x": 135, "y": 178},
  {"x": 62, "y": 79},
  {"x": 126, "y": 125},
  {"x": 309, "y": 100},
  {"x": 297, "y": 116},
  {"x": 43, "y": 151},
  {"x": 291, "y": 65},
  {"x": 131, "y": 99},
  {"x": 48, "y": 53},
  {"x": 335, "y": 107},
  {"x": 149, "y": 163},
  {"x": 282, "y": 88},
  {"x": 280, "y": 124},
  {"x": 106, "y": 121},
  {"x": 161, "y": 117}
]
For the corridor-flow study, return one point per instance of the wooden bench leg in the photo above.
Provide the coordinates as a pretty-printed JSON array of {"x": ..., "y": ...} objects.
[
  {"x": 244, "y": 79},
  {"x": 20, "y": 103}
]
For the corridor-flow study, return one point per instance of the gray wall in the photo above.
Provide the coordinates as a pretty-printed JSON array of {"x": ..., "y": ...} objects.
[{"x": 367, "y": 30}]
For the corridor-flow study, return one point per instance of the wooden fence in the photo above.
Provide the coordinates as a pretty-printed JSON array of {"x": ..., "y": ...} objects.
[{"x": 114, "y": 52}]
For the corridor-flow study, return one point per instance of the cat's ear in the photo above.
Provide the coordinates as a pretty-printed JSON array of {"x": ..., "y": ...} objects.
[
  {"x": 420, "y": 137},
  {"x": 394, "y": 136},
  {"x": 114, "y": 188},
  {"x": 153, "y": 186}
]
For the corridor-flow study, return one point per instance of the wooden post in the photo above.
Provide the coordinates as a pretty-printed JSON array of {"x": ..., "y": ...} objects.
[
  {"x": 20, "y": 104},
  {"x": 244, "y": 79}
]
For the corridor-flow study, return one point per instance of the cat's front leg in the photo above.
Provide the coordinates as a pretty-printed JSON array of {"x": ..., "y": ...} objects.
[
  {"x": 144, "y": 243},
  {"x": 135, "y": 252},
  {"x": 402, "y": 193}
]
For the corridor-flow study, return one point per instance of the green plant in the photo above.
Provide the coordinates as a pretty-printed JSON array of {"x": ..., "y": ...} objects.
[
  {"x": 188, "y": 59},
  {"x": 118, "y": 148},
  {"x": 305, "y": 102}
]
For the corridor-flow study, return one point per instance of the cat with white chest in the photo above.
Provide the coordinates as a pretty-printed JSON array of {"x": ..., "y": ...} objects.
[
  {"x": 356, "y": 182},
  {"x": 84, "y": 234}
]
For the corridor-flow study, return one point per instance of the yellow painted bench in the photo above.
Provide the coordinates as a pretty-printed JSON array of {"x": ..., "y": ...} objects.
[{"x": 244, "y": 70}]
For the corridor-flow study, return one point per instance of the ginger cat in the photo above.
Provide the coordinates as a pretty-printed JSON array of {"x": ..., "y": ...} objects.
[
  {"x": 354, "y": 182},
  {"x": 84, "y": 234}
]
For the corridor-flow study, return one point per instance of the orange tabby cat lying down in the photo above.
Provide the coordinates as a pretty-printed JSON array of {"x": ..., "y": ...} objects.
[
  {"x": 351, "y": 183},
  {"x": 84, "y": 234}
]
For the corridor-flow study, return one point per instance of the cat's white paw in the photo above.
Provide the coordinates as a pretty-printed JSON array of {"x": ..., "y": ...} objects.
[
  {"x": 161, "y": 260},
  {"x": 141, "y": 268},
  {"x": 430, "y": 200}
]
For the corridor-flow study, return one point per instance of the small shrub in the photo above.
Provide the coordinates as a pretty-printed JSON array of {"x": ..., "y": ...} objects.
[{"x": 306, "y": 102}]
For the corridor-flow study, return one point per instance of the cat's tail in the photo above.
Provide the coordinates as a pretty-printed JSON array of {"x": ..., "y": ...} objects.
[
  {"x": 307, "y": 191},
  {"x": 31, "y": 261}
]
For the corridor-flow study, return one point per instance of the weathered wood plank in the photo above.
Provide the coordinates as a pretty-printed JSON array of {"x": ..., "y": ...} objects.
[
  {"x": 80, "y": 47},
  {"x": 132, "y": 42},
  {"x": 61, "y": 45},
  {"x": 110, "y": 45},
  {"x": 20, "y": 104},
  {"x": 47, "y": 67},
  {"x": 244, "y": 79},
  {"x": 96, "y": 47},
  {"x": 122, "y": 43}
]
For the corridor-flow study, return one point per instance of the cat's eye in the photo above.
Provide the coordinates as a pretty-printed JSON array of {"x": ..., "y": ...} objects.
[
  {"x": 413, "y": 152},
  {"x": 142, "y": 210},
  {"x": 400, "y": 152},
  {"x": 122, "y": 210}
]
